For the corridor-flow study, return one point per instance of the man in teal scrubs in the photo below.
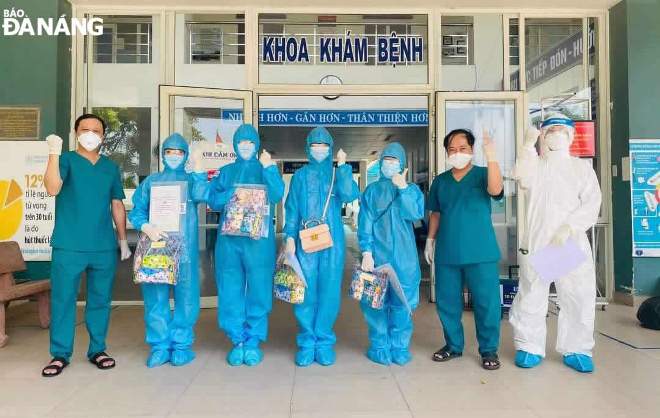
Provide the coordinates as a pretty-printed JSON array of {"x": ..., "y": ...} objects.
[
  {"x": 89, "y": 195},
  {"x": 462, "y": 243}
]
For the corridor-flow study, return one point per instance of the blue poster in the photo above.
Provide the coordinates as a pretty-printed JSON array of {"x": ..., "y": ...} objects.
[{"x": 645, "y": 196}]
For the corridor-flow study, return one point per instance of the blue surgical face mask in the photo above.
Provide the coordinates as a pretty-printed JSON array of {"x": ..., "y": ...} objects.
[
  {"x": 246, "y": 149},
  {"x": 173, "y": 160},
  {"x": 390, "y": 168},
  {"x": 319, "y": 153}
]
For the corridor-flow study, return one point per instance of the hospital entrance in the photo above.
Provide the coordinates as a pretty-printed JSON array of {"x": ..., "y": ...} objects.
[{"x": 361, "y": 125}]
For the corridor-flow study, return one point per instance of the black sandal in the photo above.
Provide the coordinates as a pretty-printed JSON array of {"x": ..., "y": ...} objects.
[
  {"x": 445, "y": 354},
  {"x": 100, "y": 363},
  {"x": 58, "y": 369},
  {"x": 490, "y": 361}
]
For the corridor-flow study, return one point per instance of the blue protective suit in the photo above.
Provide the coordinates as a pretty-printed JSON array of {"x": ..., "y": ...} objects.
[
  {"x": 324, "y": 269},
  {"x": 171, "y": 336},
  {"x": 245, "y": 266},
  {"x": 385, "y": 229}
]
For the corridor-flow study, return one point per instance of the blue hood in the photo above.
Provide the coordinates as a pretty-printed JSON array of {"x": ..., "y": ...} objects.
[
  {"x": 175, "y": 141},
  {"x": 319, "y": 135},
  {"x": 396, "y": 150},
  {"x": 246, "y": 132}
]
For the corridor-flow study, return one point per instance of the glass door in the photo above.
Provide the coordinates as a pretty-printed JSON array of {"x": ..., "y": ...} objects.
[
  {"x": 501, "y": 114},
  {"x": 207, "y": 118}
]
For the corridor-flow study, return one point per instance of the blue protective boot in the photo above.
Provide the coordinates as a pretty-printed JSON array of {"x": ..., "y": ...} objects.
[
  {"x": 401, "y": 357},
  {"x": 579, "y": 362},
  {"x": 158, "y": 358},
  {"x": 527, "y": 360},
  {"x": 236, "y": 356},
  {"x": 379, "y": 355},
  {"x": 182, "y": 357},
  {"x": 305, "y": 357},
  {"x": 253, "y": 356},
  {"x": 325, "y": 356}
]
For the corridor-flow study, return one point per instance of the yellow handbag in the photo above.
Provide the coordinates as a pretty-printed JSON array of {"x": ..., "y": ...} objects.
[{"x": 317, "y": 237}]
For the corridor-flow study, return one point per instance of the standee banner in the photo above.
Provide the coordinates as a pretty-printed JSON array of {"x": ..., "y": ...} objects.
[
  {"x": 27, "y": 213},
  {"x": 645, "y": 196}
]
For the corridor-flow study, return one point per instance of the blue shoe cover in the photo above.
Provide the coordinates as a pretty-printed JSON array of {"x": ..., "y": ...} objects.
[
  {"x": 158, "y": 358},
  {"x": 236, "y": 355},
  {"x": 304, "y": 357},
  {"x": 253, "y": 356},
  {"x": 580, "y": 362},
  {"x": 325, "y": 356},
  {"x": 182, "y": 357},
  {"x": 527, "y": 360},
  {"x": 401, "y": 357},
  {"x": 379, "y": 355}
]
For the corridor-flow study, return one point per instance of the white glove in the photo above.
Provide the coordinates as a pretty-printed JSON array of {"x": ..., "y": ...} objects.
[
  {"x": 265, "y": 159},
  {"x": 367, "y": 261},
  {"x": 153, "y": 232},
  {"x": 429, "y": 250},
  {"x": 531, "y": 137},
  {"x": 489, "y": 147},
  {"x": 399, "y": 179},
  {"x": 341, "y": 157},
  {"x": 562, "y": 235},
  {"x": 290, "y": 248},
  {"x": 124, "y": 250},
  {"x": 54, "y": 144}
]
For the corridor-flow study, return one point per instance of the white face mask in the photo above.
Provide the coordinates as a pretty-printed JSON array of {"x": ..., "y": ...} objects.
[
  {"x": 246, "y": 149},
  {"x": 319, "y": 152},
  {"x": 557, "y": 141},
  {"x": 89, "y": 140},
  {"x": 459, "y": 160}
]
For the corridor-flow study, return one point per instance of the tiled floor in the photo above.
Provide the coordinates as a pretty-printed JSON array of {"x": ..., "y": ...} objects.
[{"x": 625, "y": 384}]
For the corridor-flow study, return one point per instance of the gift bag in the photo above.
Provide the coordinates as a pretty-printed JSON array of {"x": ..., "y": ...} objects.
[
  {"x": 247, "y": 213},
  {"x": 157, "y": 261},
  {"x": 289, "y": 283},
  {"x": 372, "y": 287},
  {"x": 369, "y": 288}
]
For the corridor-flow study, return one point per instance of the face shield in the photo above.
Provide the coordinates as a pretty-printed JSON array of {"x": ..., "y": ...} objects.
[{"x": 557, "y": 133}]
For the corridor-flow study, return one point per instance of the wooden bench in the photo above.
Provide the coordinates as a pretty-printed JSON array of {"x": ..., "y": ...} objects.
[{"x": 11, "y": 261}]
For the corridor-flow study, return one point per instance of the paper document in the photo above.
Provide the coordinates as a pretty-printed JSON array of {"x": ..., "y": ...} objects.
[
  {"x": 165, "y": 207},
  {"x": 555, "y": 261}
]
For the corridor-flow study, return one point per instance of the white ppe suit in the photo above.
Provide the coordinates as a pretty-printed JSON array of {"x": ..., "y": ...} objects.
[{"x": 561, "y": 192}]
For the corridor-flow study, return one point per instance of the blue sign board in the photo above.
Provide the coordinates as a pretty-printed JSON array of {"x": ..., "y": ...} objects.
[
  {"x": 335, "y": 118},
  {"x": 645, "y": 196}
]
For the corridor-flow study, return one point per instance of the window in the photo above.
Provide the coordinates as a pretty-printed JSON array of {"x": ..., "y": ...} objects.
[
  {"x": 457, "y": 35},
  {"x": 127, "y": 141},
  {"x": 554, "y": 69},
  {"x": 514, "y": 43},
  {"x": 472, "y": 53},
  {"x": 215, "y": 42},
  {"x": 125, "y": 40}
]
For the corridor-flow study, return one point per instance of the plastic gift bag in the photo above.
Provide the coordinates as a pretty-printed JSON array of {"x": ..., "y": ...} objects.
[
  {"x": 289, "y": 283},
  {"x": 247, "y": 214},
  {"x": 158, "y": 261},
  {"x": 369, "y": 287},
  {"x": 372, "y": 287}
]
